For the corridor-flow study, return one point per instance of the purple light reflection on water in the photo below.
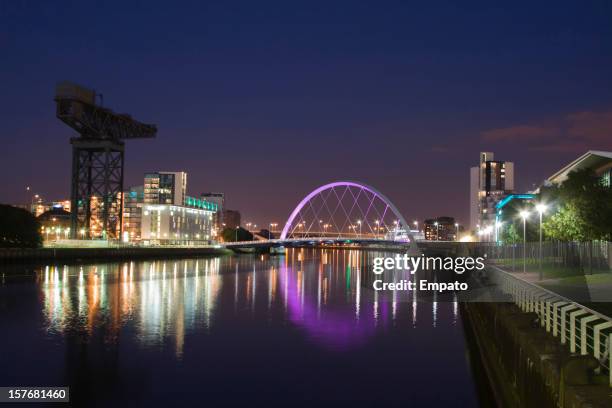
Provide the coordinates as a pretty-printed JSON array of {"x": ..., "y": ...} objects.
[{"x": 334, "y": 329}]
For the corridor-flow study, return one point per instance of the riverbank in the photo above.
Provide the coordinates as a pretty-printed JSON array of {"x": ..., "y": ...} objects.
[
  {"x": 529, "y": 367},
  {"x": 16, "y": 255}
]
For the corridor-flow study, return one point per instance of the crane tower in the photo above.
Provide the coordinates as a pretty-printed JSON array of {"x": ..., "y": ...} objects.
[{"x": 97, "y": 160}]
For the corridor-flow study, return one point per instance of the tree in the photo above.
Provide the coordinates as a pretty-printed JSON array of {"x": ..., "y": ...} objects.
[
  {"x": 584, "y": 208},
  {"x": 512, "y": 224},
  {"x": 510, "y": 235},
  {"x": 229, "y": 234},
  {"x": 18, "y": 228},
  {"x": 566, "y": 224}
]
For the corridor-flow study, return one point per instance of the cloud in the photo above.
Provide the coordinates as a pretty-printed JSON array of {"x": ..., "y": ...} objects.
[
  {"x": 575, "y": 132},
  {"x": 593, "y": 127},
  {"x": 519, "y": 133}
]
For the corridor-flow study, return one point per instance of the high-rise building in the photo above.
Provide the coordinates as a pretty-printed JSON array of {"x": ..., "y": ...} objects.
[
  {"x": 490, "y": 182},
  {"x": 164, "y": 187},
  {"x": 132, "y": 213}
]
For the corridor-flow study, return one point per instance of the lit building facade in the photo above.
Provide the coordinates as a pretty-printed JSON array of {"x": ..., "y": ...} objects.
[
  {"x": 440, "y": 229},
  {"x": 164, "y": 187},
  {"x": 54, "y": 224},
  {"x": 490, "y": 183},
  {"x": 39, "y": 206},
  {"x": 173, "y": 224},
  {"x": 132, "y": 213}
]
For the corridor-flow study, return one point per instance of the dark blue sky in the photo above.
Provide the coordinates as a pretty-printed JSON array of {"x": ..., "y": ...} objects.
[{"x": 267, "y": 100}]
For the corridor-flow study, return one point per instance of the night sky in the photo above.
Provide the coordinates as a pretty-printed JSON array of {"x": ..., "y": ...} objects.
[{"x": 267, "y": 100}]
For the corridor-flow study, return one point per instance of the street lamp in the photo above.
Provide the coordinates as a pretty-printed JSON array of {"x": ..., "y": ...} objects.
[
  {"x": 273, "y": 225},
  {"x": 416, "y": 225},
  {"x": 498, "y": 225},
  {"x": 237, "y": 228},
  {"x": 377, "y": 228},
  {"x": 359, "y": 223},
  {"x": 437, "y": 230},
  {"x": 524, "y": 214},
  {"x": 456, "y": 231},
  {"x": 541, "y": 208}
]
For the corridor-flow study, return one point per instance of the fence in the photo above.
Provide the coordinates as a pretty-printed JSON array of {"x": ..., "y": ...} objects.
[
  {"x": 585, "y": 331},
  {"x": 558, "y": 259}
]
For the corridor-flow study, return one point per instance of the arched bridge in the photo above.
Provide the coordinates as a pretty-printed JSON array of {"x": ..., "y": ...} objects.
[{"x": 341, "y": 212}]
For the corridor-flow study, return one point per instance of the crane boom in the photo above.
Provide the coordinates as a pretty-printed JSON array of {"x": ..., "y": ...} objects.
[{"x": 97, "y": 160}]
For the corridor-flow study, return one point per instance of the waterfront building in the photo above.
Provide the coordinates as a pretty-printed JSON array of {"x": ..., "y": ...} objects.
[
  {"x": 490, "y": 182},
  {"x": 597, "y": 160},
  {"x": 177, "y": 224},
  {"x": 38, "y": 205},
  {"x": 54, "y": 224},
  {"x": 440, "y": 229},
  {"x": 231, "y": 218},
  {"x": 164, "y": 187},
  {"x": 219, "y": 200}
]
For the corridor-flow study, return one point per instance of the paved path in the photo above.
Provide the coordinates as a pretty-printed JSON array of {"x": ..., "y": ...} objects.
[{"x": 594, "y": 291}]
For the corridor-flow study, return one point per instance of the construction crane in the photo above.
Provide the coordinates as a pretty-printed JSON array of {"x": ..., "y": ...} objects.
[{"x": 97, "y": 160}]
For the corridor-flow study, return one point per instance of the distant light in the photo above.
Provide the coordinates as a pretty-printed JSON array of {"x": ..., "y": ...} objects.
[
  {"x": 524, "y": 214},
  {"x": 541, "y": 208}
]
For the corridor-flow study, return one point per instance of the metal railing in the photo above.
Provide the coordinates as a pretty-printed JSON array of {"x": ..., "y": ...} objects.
[
  {"x": 561, "y": 257},
  {"x": 585, "y": 331}
]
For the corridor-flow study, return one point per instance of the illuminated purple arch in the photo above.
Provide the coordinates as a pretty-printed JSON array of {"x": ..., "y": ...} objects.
[{"x": 363, "y": 186}]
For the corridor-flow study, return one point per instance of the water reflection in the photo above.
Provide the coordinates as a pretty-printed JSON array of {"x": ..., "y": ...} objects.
[
  {"x": 325, "y": 293},
  {"x": 227, "y": 328}
]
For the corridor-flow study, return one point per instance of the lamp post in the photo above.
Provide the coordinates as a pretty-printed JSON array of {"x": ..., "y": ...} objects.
[
  {"x": 456, "y": 231},
  {"x": 359, "y": 223},
  {"x": 416, "y": 225},
  {"x": 437, "y": 230},
  {"x": 541, "y": 208},
  {"x": 377, "y": 230},
  {"x": 498, "y": 224},
  {"x": 524, "y": 214},
  {"x": 237, "y": 228}
]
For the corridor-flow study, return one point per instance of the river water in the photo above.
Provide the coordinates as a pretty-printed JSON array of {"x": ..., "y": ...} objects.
[{"x": 248, "y": 330}]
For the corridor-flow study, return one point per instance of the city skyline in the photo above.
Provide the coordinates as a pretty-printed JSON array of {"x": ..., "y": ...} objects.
[{"x": 294, "y": 100}]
